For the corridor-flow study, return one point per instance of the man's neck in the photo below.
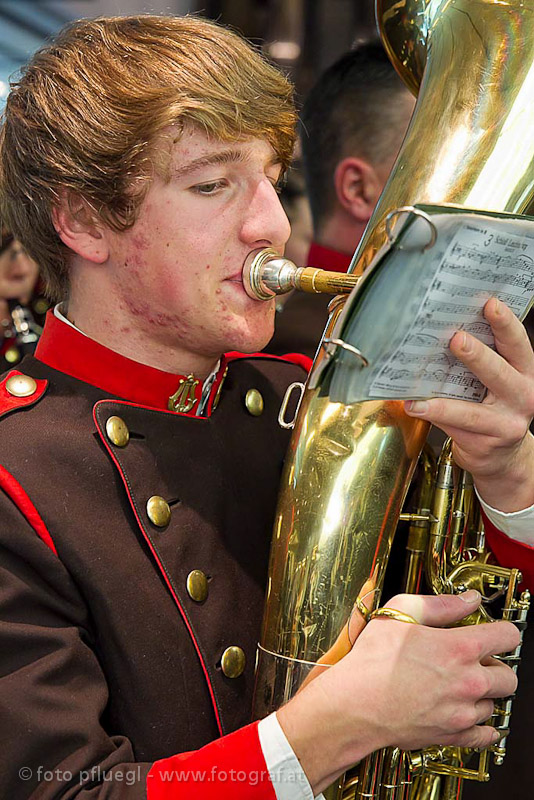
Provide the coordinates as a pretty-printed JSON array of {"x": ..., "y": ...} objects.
[
  {"x": 340, "y": 234},
  {"x": 130, "y": 342}
]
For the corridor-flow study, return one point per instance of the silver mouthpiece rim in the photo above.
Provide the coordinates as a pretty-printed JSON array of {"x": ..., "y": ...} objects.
[{"x": 267, "y": 274}]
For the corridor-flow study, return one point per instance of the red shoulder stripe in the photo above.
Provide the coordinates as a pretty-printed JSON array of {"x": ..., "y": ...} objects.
[{"x": 14, "y": 490}]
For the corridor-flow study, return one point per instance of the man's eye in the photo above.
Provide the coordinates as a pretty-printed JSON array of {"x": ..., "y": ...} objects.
[
  {"x": 280, "y": 184},
  {"x": 208, "y": 188}
]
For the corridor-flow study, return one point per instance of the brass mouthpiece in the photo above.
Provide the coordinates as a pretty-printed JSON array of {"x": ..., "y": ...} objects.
[{"x": 266, "y": 274}]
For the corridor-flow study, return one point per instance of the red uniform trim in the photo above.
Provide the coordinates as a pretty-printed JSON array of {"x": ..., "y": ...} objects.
[
  {"x": 324, "y": 258},
  {"x": 231, "y": 768},
  {"x": 67, "y": 350},
  {"x": 160, "y": 565},
  {"x": 293, "y": 358},
  {"x": 511, "y": 553},
  {"x": 14, "y": 490},
  {"x": 10, "y": 403}
]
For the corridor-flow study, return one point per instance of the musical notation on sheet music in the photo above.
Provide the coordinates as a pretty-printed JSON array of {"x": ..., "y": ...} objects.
[{"x": 480, "y": 261}]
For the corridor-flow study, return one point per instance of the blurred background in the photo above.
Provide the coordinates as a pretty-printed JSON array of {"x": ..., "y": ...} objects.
[{"x": 303, "y": 36}]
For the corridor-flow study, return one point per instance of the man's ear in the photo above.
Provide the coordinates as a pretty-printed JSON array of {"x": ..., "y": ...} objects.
[
  {"x": 79, "y": 228},
  {"x": 358, "y": 187}
]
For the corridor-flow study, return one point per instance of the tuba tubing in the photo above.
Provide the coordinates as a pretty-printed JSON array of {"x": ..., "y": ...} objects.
[{"x": 348, "y": 467}]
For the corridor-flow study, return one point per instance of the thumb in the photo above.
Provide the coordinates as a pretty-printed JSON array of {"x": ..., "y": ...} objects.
[{"x": 437, "y": 611}]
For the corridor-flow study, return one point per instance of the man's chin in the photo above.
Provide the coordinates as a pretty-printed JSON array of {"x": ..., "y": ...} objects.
[{"x": 253, "y": 341}]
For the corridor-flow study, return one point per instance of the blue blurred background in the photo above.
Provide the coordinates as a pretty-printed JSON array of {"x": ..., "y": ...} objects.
[{"x": 303, "y": 36}]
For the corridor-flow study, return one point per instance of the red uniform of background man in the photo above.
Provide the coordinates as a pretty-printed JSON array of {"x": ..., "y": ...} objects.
[{"x": 139, "y": 161}]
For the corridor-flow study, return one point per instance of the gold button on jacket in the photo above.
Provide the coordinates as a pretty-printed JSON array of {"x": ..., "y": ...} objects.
[
  {"x": 197, "y": 586},
  {"x": 158, "y": 510},
  {"x": 233, "y": 662},
  {"x": 21, "y": 386},
  {"x": 254, "y": 402},
  {"x": 117, "y": 431}
]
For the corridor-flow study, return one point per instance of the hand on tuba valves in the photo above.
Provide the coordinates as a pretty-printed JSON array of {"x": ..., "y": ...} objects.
[{"x": 403, "y": 686}]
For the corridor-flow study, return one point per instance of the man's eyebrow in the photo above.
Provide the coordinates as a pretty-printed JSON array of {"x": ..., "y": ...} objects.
[{"x": 230, "y": 156}]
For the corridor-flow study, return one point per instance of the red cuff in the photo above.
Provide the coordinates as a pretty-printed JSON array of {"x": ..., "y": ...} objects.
[
  {"x": 510, "y": 553},
  {"x": 230, "y": 768}
]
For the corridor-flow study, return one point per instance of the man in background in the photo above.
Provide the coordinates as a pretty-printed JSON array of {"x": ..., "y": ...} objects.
[{"x": 352, "y": 126}]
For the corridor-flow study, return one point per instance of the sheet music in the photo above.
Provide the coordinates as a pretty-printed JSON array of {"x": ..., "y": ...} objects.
[{"x": 480, "y": 261}]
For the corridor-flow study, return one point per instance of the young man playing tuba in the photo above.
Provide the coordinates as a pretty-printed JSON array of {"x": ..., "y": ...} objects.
[{"x": 139, "y": 163}]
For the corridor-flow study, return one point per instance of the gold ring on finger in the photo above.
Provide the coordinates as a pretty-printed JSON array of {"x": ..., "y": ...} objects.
[{"x": 392, "y": 613}]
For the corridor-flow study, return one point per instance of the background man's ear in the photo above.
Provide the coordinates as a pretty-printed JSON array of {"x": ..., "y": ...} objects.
[
  {"x": 79, "y": 228},
  {"x": 358, "y": 187}
]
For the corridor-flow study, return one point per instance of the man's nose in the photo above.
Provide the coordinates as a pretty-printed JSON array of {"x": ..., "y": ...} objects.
[{"x": 265, "y": 222}]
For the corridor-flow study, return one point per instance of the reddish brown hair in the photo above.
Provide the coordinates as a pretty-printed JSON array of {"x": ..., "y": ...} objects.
[{"x": 88, "y": 106}]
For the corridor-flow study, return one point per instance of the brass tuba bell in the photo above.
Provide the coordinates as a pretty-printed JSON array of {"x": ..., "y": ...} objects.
[{"x": 348, "y": 468}]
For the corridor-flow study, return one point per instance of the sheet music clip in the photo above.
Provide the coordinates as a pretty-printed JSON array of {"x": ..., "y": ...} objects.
[
  {"x": 416, "y": 238},
  {"x": 330, "y": 345}
]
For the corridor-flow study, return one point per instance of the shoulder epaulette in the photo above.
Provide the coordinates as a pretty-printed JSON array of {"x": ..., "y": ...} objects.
[{"x": 19, "y": 391}]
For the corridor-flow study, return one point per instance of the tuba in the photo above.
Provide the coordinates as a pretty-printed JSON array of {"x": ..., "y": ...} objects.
[{"x": 470, "y": 143}]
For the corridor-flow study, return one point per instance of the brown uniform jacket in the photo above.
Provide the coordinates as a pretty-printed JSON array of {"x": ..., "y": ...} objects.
[{"x": 106, "y": 659}]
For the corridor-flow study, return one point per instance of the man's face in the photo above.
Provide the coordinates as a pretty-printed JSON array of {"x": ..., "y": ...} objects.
[{"x": 177, "y": 271}]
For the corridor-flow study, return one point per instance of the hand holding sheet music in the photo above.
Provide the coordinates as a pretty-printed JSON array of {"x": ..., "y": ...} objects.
[{"x": 479, "y": 262}]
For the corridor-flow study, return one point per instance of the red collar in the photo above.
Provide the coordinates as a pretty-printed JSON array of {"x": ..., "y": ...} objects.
[
  {"x": 324, "y": 258},
  {"x": 67, "y": 350}
]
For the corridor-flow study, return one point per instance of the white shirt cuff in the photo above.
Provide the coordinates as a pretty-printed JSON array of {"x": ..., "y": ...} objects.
[
  {"x": 287, "y": 776},
  {"x": 518, "y": 525}
]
